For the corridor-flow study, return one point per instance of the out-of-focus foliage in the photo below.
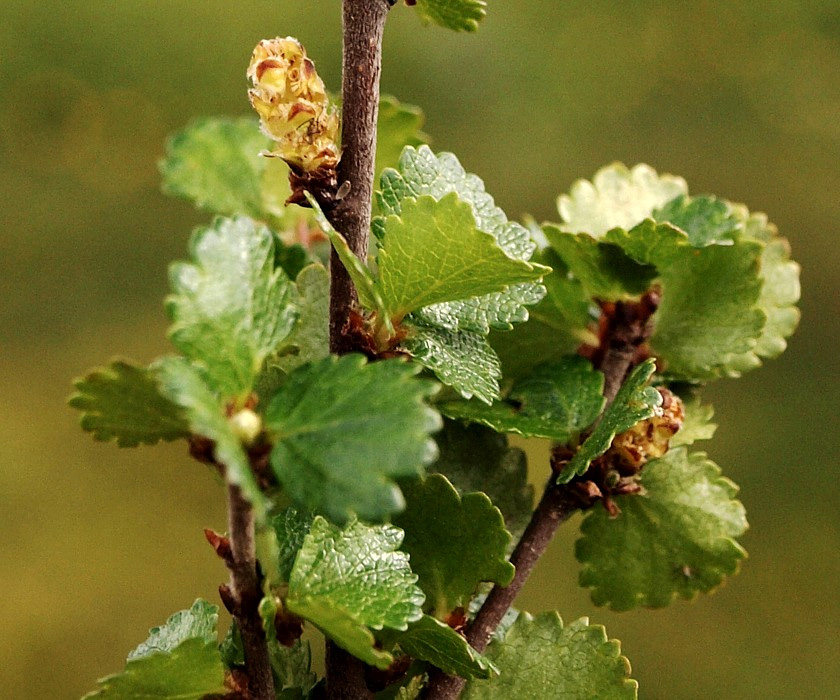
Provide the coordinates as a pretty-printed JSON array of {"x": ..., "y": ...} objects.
[{"x": 739, "y": 97}]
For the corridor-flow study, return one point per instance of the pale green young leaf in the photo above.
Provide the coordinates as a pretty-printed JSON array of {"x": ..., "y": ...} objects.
[
  {"x": 541, "y": 658},
  {"x": 557, "y": 401},
  {"x": 179, "y": 661},
  {"x": 475, "y": 458},
  {"x": 780, "y": 289},
  {"x": 705, "y": 220},
  {"x": 231, "y": 307},
  {"x": 432, "y": 252},
  {"x": 347, "y": 582},
  {"x": 398, "y": 125},
  {"x": 199, "y": 622},
  {"x": 604, "y": 270},
  {"x": 122, "y": 402},
  {"x": 187, "y": 386},
  {"x": 617, "y": 197},
  {"x": 455, "y": 542},
  {"x": 215, "y": 162},
  {"x": 431, "y": 640},
  {"x": 343, "y": 429},
  {"x": 634, "y": 402},
  {"x": 676, "y": 538},
  {"x": 459, "y": 15},
  {"x": 421, "y": 172},
  {"x": 462, "y": 360},
  {"x": 697, "y": 422},
  {"x": 292, "y": 669},
  {"x": 310, "y": 339}
]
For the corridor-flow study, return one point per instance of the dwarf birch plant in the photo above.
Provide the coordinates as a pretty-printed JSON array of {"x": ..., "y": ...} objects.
[{"x": 355, "y": 394}]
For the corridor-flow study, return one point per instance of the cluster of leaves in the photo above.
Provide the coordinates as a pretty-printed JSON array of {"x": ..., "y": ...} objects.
[{"x": 380, "y": 523}]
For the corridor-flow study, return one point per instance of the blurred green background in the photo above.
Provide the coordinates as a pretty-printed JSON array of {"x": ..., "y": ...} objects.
[{"x": 742, "y": 98}]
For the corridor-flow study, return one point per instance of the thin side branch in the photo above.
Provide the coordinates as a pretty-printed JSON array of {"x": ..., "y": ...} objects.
[
  {"x": 627, "y": 327},
  {"x": 245, "y": 594},
  {"x": 364, "y": 24}
]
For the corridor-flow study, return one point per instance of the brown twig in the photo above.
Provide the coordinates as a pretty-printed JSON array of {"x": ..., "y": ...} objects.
[
  {"x": 626, "y": 328},
  {"x": 246, "y": 594},
  {"x": 364, "y": 24}
]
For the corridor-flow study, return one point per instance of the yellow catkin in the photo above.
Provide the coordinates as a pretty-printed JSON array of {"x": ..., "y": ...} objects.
[{"x": 293, "y": 105}]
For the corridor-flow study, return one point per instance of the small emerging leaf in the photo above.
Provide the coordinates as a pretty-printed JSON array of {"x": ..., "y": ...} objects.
[
  {"x": 634, "y": 402},
  {"x": 199, "y": 622},
  {"x": 541, "y": 658},
  {"x": 350, "y": 581},
  {"x": 676, "y": 538},
  {"x": 123, "y": 401},
  {"x": 455, "y": 542}
]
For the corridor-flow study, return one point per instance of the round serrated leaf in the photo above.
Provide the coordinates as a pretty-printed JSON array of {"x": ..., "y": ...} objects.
[
  {"x": 676, "y": 538},
  {"x": 541, "y": 658},
  {"x": 343, "y": 429}
]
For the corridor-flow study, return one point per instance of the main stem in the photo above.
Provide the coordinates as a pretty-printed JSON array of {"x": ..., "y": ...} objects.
[
  {"x": 364, "y": 25},
  {"x": 627, "y": 329},
  {"x": 245, "y": 588}
]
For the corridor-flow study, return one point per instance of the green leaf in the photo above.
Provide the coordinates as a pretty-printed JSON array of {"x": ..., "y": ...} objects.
[
  {"x": 780, "y": 289},
  {"x": 557, "y": 401},
  {"x": 604, "y": 270},
  {"x": 292, "y": 668},
  {"x": 186, "y": 385},
  {"x": 199, "y": 622},
  {"x": 455, "y": 542},
  {"x": 697, "y": 422},
  {"x": 291, "y": 527},
  {"x": 232, "y": 307},
  {"x": 556, "y": 326},
  {"x": 540, "y": 658},
  {"x": 343, "y": 429},
  {"x": 709, "y": 315},
  {"x": 310, "y": 339},
  {"x": 617, "y": 197},
  {"x": 421, "y": 172},
  {"x": 122, "y": 401},
  {"x": 634, "y": 402},
  {"x": 215, "y": 162},
  {"x": 462, "y": 360},
  {"x": 398, "y": 125},
  {"x": 705, "y": 220},
  {"x": 475, "y": 458},
  {"x": 431, "y": 640},
  {"x": 179, "y": 661},
  {"x": 676, "y": 538},
  {"x": 459, "y": 15},
  {"x": 432, "y": 252},
  {"x": 349, "y": 582}
]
